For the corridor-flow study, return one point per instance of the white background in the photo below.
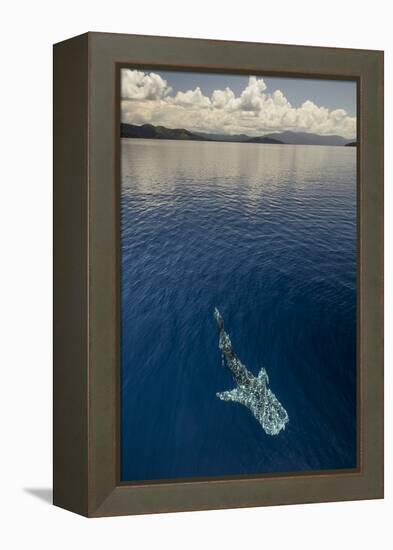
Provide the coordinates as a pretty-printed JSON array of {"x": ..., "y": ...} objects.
[{"x": 28, "y": 29}]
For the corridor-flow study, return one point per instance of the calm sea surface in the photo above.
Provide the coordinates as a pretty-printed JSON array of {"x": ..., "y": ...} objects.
[{"x": 267, "y": 233}]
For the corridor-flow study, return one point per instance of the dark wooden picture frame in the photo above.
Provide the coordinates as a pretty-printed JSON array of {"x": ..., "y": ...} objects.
[{"x": 86, "y": 274}]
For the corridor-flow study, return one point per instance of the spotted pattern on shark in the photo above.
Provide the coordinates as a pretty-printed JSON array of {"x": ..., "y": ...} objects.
[{"x": 250, "y": 391}]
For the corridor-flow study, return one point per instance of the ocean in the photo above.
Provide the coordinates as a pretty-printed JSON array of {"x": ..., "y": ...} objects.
[{"x": 266, "y": 233}]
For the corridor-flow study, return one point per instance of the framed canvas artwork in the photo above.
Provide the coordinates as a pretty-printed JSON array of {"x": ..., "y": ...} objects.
[{"x": 218, "y": 249}]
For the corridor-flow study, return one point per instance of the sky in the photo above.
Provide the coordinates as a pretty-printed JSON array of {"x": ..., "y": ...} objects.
[{"x": 236, "y": 104}]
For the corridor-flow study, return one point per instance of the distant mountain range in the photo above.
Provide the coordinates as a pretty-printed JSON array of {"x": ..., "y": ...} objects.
[
  {"x": 304, "y": 138},
  {"x": 148, "y": 131},
  {"x": 224, "y": 137}
]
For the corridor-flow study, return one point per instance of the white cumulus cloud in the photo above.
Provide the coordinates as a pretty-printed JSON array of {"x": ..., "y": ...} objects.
[
  {"x": 191, "y": 98},
  {"x": 138, "y": 85},
  {"x": 147, "y": 98},
  {"x": 252, "y": 97},
  {"x": 222, "y": 98}
]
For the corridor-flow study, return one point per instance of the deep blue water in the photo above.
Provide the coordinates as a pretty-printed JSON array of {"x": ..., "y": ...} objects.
[{"x": 267, "y": 233}]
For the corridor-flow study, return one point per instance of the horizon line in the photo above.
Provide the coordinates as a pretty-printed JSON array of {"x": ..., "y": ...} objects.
[{"x": 353, "y": 139}]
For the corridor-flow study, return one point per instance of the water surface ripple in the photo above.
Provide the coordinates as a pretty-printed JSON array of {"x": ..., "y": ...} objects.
[{"x": 267, "y": 233}]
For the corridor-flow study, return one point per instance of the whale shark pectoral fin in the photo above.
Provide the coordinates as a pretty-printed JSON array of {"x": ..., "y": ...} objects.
[
  {"x": 237, "y": 395},
  {"x": 263, "y": 375}
]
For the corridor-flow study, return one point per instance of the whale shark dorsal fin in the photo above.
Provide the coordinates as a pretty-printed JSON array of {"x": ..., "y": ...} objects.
[
  {"x": 263, "y": 375},
  {"x": 237, "y": 394}
]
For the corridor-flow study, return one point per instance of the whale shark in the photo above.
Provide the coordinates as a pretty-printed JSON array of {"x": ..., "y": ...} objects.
[{"x": 250, "y": 391}]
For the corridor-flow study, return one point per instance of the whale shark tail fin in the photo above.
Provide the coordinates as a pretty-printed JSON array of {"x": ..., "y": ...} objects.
[{"x": 219, "y": 319}]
